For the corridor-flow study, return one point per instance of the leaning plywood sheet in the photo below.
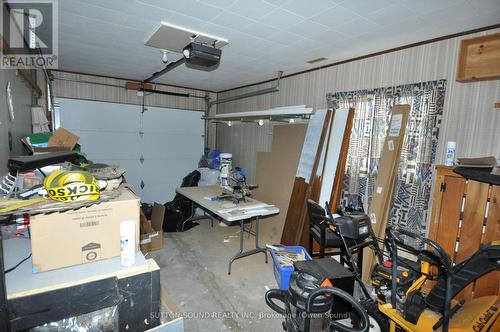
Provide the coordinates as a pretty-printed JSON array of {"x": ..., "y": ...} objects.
[
  {"x": 309, "y": 159},
  {"x": 323, "y": 175},
  {"x": 341, "y": 165},
  {"x": 333, "y": 152},
  {"x": 330, "y": 170},
  {"x": 276, "y": 173},
  {"x": 384, "y": 185},
  {"x": 311, "y": 143}
]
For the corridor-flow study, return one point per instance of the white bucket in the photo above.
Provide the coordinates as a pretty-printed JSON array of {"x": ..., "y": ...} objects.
[{"x": 226, "y": 161}]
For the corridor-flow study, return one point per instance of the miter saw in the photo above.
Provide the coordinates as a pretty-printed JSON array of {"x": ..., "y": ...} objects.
[{"x": 240, "y": 190}]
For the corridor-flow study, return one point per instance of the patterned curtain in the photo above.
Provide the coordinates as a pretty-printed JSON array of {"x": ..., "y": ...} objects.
[{"x": 410, "y": 205}]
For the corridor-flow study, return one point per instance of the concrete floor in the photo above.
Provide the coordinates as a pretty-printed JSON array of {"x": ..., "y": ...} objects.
[{"x": 194, "y": 274}]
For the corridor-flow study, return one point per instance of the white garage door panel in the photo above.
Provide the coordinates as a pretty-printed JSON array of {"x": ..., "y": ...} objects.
[
  {"x": 162, "y": 169},
  {"x": 149, "y": 146},
  {"x": 98, "y": 116},
  {"x": 110, "y": 145},
  {"x": 171, "y": 144},
  {"x": 156, "y": 120},
  {"x": 170, "y": 147},
  {"x": 160, "y": 185}
]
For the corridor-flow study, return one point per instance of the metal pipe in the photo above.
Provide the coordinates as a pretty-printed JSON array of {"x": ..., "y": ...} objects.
[
  {"x": 178, "y": 94},
  {"x": 275, "y": 88},
  {"x": 205, "y": 122},
  {"x": 121, "y": 87},
  {"x": 168, "y": 68},
  {"x": 88, "y": 82}
]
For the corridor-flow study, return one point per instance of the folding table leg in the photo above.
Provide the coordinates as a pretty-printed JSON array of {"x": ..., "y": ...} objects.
[
  {"x": 235, "y": 257},
  {"x": 194, "y": 217},
  {"x": 257, "y": 237},
  {"x": 242, "y": 253}
]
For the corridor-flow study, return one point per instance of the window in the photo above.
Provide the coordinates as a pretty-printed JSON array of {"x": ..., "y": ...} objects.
[{"x": 410, "y": 205}]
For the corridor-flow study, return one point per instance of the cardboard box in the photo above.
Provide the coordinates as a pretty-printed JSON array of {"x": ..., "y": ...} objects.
[
  {"x": 50, "y": 149},
  {"x": 63, "y": 138},
  {"x": 384, "y": 184},
  {"x": 152, "y": 230},
  {"x": 84, "y": 235}
]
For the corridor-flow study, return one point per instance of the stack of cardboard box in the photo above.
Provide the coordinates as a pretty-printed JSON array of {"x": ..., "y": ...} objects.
[{"x": 83, "y": 235}]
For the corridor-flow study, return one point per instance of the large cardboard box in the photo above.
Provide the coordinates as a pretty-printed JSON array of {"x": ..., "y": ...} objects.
[
  {"x": 152, "y": 230},
  {"x": 84, "y": 235}
]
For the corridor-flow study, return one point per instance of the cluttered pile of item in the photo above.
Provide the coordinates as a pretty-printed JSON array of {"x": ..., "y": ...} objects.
[
  {"x": 43, "y": 197},
  {"x": 67, "y": 221}
]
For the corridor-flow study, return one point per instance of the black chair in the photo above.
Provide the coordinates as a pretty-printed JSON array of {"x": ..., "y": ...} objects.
[{"x": 318, "y": 230}]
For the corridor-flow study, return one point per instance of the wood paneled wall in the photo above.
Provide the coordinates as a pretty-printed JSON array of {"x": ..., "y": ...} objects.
[{"x": 469, "y": 118}]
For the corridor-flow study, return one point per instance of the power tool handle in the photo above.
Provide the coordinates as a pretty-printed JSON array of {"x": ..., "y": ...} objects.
[{"x": 277, "y": 294}]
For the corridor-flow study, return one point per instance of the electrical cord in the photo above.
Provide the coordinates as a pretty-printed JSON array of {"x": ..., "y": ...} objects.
[
  {"x": 24, "y": 260},
  {"x": 17, "y": 265}
]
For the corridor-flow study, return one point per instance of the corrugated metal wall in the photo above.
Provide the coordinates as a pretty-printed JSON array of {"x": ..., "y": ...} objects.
[{"x": 469, "y": 114}]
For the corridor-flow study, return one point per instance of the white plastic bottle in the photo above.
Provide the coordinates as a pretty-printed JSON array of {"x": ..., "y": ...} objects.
[
  {"x": 127, "y": 242},
  {"x": 451, "y": 148}
]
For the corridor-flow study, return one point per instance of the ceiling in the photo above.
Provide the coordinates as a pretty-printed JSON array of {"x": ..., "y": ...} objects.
[{"x": 106, "y": 37}]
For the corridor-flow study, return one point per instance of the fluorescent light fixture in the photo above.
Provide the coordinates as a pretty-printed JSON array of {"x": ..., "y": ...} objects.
[
  {"x": 288, "y": 111},
  {"x": 288, "y": 114}
]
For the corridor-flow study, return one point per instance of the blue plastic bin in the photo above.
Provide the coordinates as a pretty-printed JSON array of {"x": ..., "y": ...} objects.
[{"x": 282, "y": 273}]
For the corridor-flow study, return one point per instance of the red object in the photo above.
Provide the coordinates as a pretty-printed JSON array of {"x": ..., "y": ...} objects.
[{"x": 387, "y": 264}]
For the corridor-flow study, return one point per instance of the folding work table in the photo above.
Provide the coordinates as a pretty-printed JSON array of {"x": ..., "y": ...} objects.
[{"x": 230, "y": 212}]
